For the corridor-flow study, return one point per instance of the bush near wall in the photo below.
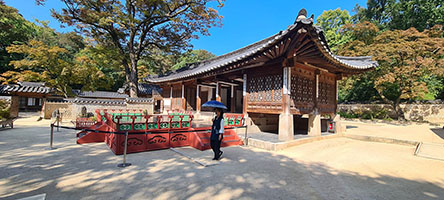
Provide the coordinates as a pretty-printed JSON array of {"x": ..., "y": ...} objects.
[
  {"x": 367, "y": 112},
  {"x": 4, "y": 109}
]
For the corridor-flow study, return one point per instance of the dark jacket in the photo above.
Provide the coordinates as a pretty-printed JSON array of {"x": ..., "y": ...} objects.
[{"x": 216, "y": 128}]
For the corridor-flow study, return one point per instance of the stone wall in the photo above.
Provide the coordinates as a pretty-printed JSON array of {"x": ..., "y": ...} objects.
[
  {"x": 50, "y": 107},
  {"x": 14, "y": 110},
  {"x": 432, "y": 113},
  {"x": 71, "y": 110}
]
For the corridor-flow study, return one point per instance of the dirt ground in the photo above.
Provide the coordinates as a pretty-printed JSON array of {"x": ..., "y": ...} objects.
[
  {"x": 330, "y": 169},
  {"x": 413, "y": 132}
]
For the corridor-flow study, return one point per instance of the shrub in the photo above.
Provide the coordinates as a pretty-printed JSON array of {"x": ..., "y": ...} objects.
[
  {"x": 375, "y": 113},
  {"x": 348, "y": 115},
  {"x": 4, "y": 109}
]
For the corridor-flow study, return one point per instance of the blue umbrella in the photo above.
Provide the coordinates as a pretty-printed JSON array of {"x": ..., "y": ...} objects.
[{"x": 214, "y": 104}]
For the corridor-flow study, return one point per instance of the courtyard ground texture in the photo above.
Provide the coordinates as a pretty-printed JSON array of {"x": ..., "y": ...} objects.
[{"x": 340, "y": 168}]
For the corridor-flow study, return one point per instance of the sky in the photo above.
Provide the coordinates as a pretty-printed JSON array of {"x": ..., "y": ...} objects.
[{"x": 245, "y": 21}]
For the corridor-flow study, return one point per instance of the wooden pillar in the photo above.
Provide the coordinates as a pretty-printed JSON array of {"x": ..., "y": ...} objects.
[
  {"x": 218, "y": 91},
  {"x": 336, "y": 99},
  {"x": 233, "y": 100},
  {"x": 316, "y": 89},
  {"x": 198, "y": 100},
  {"x": 184, "y": 103},
  {"x": 171, "y": 97},
  {"x": 286, "y": 130},
  {"x": 286, "y": 90},
  {"x": 162, "y": 105},
  {"x": 314, "y": 119},
  {"x": 42, "y": 111},
  {"x": 245, "y": 95}
]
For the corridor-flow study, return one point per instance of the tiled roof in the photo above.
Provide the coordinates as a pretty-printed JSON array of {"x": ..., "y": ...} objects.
[
  {"x": 139, "y": 100},
  {"x": 144, "y": 89},
  {"x": 98, "y": 101},
  {"x": 79, "y": 100},
  {"x": 99, "y": 94},
  {"x": 258, "y": 48},
  {"x": 26, "y": 87}
]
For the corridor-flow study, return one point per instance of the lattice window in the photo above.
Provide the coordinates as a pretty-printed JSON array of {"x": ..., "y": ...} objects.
[
  {"x": 327, "y": 90},
  {"x": 265, "y": 88},
  {"x": 302, "y": 89}
]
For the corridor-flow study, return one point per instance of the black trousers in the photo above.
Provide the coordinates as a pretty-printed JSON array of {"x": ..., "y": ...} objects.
[{"x": 215, "y": 145}]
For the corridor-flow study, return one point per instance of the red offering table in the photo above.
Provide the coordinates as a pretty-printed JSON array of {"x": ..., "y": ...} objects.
[
  {"x": 180, "y": 139},
  {"x": 147, "y": 132}
]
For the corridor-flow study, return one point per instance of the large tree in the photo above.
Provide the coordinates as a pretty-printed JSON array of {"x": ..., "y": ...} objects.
[
  {"x": 49, "y": 64},
  {"x": 162, "y": 62},
  {"x": 408, "y": 60},
  {"x": 138, "y": 27},
  {"x": 331, "y": 22},
  {"x": 402, "y": 14},
  {"x": 14, "y": 29}
]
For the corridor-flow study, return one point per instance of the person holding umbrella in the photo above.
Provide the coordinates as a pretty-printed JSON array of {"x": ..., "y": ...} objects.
[
  {"x": 217, "y": 133},
  {"x": 217, "y": 129}
]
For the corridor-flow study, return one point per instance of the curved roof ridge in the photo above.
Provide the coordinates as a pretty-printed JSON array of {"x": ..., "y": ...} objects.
[{"x": 193, "y": 69}]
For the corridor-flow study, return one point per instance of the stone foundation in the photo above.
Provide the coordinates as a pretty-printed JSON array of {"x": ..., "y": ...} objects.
[
  {"x": 286, "y": 131},
  {"x": 262, "y": 123}
]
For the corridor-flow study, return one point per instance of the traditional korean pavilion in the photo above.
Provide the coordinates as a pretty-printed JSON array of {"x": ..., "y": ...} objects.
[{"x": 292, "y": 73}]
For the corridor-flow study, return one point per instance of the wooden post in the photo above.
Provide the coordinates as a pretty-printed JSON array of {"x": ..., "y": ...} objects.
[
  {"x": 171, "y": 97},
  {"x": 218, "y": 91},
  {"x": 245, "y": 96},
  {"x": 184, "y": 104},
  {"x": 286, "y": 90},
  {"x": 337, "y": 96},
  {"x": 314, "y": 119},
  {"x": 286, "y": 130},
  {"x": 198, "y": 100},
  {"x": 233, "y": 100},
  {"x": 316, "y": 90}
]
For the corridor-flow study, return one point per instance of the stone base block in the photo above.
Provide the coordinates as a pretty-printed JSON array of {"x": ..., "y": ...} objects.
[
  {"x": 314, "y": 125},
  {"x": 286, "y": 130}
]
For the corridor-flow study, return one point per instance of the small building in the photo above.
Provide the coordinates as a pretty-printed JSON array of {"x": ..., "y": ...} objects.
[
  {"x": 146, "y": 91},
  {"x": 89, "y": 101},
  {"x": 99, "y": 95},
  {"x": 272, "y": 82},
  {"x": 27, "y": 96}
]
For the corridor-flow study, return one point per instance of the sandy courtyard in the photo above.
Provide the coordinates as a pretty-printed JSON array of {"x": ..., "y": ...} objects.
[{"x": 330, "y": 169}]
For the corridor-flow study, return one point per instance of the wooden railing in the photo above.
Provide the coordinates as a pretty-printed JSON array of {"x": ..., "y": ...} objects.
[
  {"x": 122, "y": 121},
  {"x": 233, "y": 120}
]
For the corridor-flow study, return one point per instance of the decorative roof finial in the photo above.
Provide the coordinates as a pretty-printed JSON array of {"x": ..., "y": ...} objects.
[{"x": 301, "y": 15}]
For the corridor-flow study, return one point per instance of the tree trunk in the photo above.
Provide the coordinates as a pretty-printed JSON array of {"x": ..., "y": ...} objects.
[
  {"x": 398, "y": 110},
  {"x": 133, "y": 77},
  {"x": 395, "y": 105}
]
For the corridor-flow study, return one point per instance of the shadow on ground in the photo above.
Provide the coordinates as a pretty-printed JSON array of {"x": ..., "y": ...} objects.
[
  {"x": 439, "y": 132},
  {"x": 89, "y": 172},
  {"x": 350, "y": 127}
]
